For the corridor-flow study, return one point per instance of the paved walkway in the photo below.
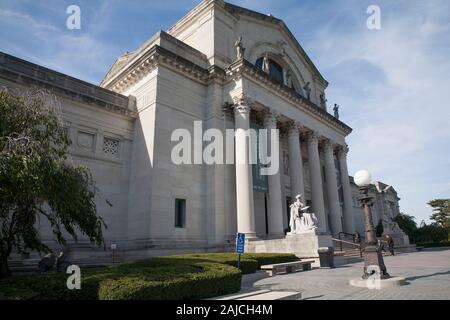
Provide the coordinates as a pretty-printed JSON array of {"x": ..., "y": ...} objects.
[{"x": 427, "y": 274}]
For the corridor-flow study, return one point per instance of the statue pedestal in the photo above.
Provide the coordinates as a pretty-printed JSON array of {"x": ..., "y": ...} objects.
[{"x": 303, "y": 245}]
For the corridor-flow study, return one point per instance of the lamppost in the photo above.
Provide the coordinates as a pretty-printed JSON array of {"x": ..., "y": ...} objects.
[{"x": 373, "y": 258}]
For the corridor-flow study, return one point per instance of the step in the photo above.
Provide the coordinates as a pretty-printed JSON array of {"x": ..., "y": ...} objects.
[
  {"x": 275, "y": 295},
  {"x": 238, "y": 296},
  {"x": 262, "y": 295}
]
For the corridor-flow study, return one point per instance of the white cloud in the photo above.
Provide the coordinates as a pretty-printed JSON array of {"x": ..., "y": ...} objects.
[
  {"x": 401, "y": 123},
  {"x": 73, "y": 52}
]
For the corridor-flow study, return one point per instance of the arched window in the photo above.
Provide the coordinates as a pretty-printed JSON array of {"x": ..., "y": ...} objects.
[{"x": 275, "y": 70}]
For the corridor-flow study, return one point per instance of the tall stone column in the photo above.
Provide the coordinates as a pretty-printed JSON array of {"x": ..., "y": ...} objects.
[
  {"x": 316, "y": 180},
  {"x": 349, "y": 222},
  {"x": 295, "y": 160},
  {"x": 332, "y": 188},
  {"x": 244, "y": 177},
  {"x": 275, "y": 206}
]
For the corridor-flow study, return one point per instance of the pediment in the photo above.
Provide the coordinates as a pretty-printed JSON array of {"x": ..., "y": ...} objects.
[
  {"x": 278, "y": 47},
  {"x": 118, "y": 64}
]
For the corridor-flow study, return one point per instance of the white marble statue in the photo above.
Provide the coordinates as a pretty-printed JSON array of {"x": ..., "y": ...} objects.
[
  {"x": 300, "y": 220},
  {"x": 240, "y": 50},
  {"x": 266, "y": 64}
]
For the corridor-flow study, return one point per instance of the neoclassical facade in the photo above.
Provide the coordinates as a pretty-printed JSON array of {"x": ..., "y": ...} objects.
[{"x": 199, "y": 71}]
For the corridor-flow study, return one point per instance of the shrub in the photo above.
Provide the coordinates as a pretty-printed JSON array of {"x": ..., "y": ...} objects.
[
  {"x": 434, "y": 244},
  {"x": 187, "y": 276},
  {"x": 270, "y": 258},
  {"x": 204, "y": 280},
  {"x": 431, "y": 233},
  {"x": 250, "y": 262},
  {"x": 155, "y": 278},
  {"x": 246, "y": 266}
]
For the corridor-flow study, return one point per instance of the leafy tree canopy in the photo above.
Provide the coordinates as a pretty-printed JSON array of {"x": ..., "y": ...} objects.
[
  {"x": 441, "y": 212},
  {"x": 407, "y": 224},
  {"x": 37, "y": 178}
]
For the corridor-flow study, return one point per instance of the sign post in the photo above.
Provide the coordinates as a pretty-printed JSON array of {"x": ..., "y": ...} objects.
[
  {"x": 240, "y": 245},
  {"x": 113, "y": 248}
]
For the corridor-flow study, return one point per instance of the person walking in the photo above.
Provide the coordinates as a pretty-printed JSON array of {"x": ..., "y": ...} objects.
[
  {"x": 381, "y": 245},
  {"x": 390, "y": 243},
  {"x": 357, "y": 237}
]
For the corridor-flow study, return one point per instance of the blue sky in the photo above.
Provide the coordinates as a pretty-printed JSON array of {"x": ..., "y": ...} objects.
[{"x": 393, "y": 84}]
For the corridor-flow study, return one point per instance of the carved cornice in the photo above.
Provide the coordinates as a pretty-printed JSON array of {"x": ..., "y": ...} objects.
[
  {"x": 242, "y": 67},
  {"x": 30, "y": 74},
  {"x": 160, "y": 56}
]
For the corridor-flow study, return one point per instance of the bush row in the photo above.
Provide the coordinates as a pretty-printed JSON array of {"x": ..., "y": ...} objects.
[
  {"x": 250, "y": 262},
  {"x": 434, "y": 244},
  {"x": 188, "y": 276},
  {"x": 151, "y": 279}
]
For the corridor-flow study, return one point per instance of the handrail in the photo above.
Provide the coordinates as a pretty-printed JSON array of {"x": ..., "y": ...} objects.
[
  {"x": 349, "y": 234},
  {"x": 350, "y": 243}
]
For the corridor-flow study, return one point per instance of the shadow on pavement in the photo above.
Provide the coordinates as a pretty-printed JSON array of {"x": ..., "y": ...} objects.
[{"x": 428, "y": 275}]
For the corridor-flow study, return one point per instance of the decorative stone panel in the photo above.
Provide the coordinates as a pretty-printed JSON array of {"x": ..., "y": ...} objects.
[{"x": 111, "y": 147}]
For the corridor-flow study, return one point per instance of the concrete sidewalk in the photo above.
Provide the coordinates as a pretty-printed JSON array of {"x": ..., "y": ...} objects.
[{"x": 427, "y": 273}]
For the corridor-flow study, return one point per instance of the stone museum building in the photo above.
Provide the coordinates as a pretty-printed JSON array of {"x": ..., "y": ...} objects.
[{"x": 230, "y": 68}]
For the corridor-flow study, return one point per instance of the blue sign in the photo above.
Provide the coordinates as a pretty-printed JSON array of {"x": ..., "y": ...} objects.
[{"x": 240, "y": 243}]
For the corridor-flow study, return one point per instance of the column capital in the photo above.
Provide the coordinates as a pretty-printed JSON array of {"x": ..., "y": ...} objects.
[
  {"x": 242, "y": 103},
  {"x": 293, "y": 128},
  {"x": 328, "y": 145},
  {"x": 270, "y": 118},
  {"x": 312, "y": 137},
  {"x": 342, "y": 150}
]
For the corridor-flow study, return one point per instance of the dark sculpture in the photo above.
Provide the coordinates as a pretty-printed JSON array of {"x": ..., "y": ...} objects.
[
  {"x": 307, "y": 90},
  {"x": 62, "y": 263},
  {"x": 47, "y": 263},
  {"x": 336, "y": 111}
]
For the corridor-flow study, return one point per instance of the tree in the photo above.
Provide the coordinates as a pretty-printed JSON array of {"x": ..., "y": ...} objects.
[
  {"x": 431, "y": 233},
  {"x": 441, "y": 212},
  {"x": 37, "y": 178},
  {"x": 407, "y": 224}
]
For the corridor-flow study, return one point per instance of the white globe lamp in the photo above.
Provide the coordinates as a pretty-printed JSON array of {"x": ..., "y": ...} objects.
[{"x": 362, "y": 178}]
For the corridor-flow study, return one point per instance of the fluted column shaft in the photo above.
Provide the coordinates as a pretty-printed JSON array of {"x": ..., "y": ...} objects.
[
  {"x": 244, "y": 177},
  {"x": 332, "y": 189},
  {"x": 275, "y": 206},
  {"x": 295, "y": 160},
  {"x": 316, "y": 181},
  {"x": 349, "y": 222}
]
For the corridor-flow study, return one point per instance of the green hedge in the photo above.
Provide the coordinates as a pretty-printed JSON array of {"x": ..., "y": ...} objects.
[
  {"x": 187, "y": 276},
  {"x": 246, "y": 266},
  {"x": 434, "y": 244},
  {"x": 250, "y": 262},
  {"x": 151, "y": 279},
  {"x": 270, "y": 258}
]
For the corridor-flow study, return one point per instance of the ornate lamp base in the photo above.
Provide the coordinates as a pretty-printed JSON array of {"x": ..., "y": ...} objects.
[{"x": 374, "y": 264}]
